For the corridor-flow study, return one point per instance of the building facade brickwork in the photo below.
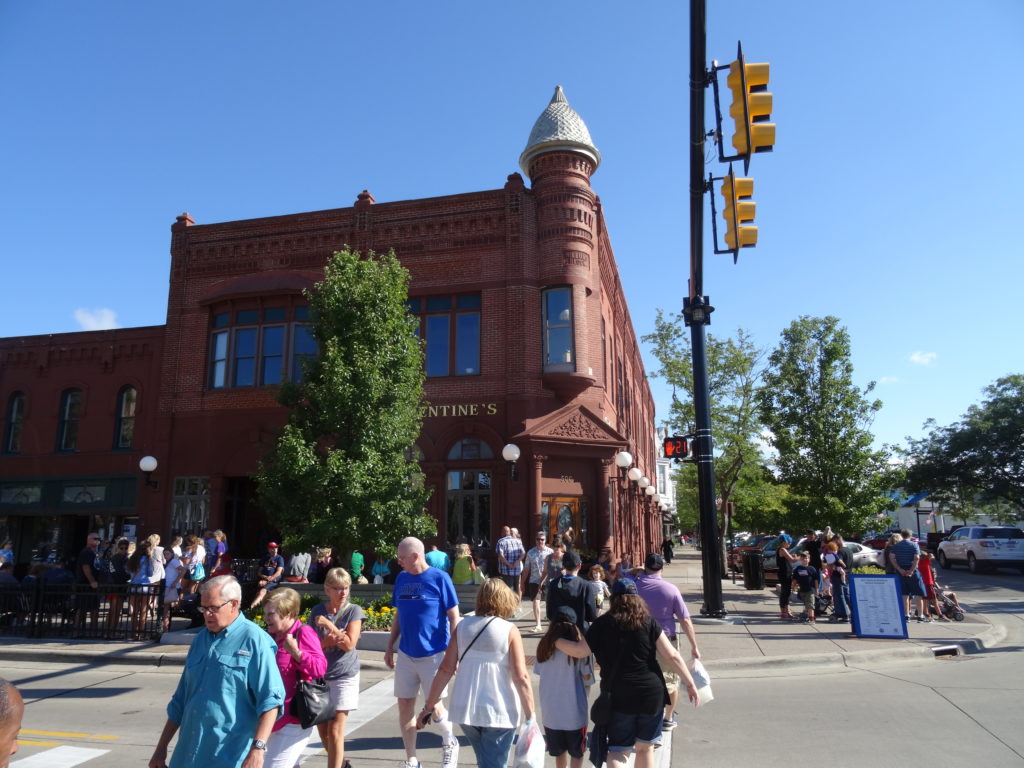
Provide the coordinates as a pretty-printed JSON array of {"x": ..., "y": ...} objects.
[{"x": 528, "y": 339}]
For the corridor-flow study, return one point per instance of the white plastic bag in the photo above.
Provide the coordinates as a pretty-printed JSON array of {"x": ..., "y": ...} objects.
[
  {"x": 702, "y": 680},
  {"x": 378, "y": 579},
  {"x": 529, "y": 746}
]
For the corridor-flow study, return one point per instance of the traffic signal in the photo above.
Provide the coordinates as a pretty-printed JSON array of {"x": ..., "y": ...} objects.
[
  {"x": 751, "y": 107},
  {"x": 737, "y": 210},
  {"x": 675, "y": 447}
]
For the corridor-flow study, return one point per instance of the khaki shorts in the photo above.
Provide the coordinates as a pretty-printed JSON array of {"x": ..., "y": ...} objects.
[
  {"x": 416, "y": 674},
  {"x": 671, "y": 678}
]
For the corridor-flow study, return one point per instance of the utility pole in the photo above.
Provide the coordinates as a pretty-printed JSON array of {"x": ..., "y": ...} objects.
[{"x": 697, "y": 311}]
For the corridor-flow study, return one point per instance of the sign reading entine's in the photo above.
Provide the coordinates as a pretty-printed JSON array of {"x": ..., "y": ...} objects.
[{"x": 460, "y": 409}]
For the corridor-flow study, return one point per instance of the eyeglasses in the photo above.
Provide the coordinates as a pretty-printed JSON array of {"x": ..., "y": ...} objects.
[{"x": 209, "y": 610}]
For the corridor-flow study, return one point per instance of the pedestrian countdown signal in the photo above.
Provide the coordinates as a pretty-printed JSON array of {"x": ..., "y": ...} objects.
[{"x": 676, "y": 447}]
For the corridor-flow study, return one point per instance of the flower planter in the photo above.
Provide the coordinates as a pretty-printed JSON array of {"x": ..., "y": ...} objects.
[{"x": 372, "y": 640}]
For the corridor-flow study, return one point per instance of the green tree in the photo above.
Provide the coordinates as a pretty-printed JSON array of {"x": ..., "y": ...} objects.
[
  {"x": 819, "y": 424},
  {"x": 979, "y": 459},
  {"x": 735, "y": 366},
  {"x": 341, "y": 472}
]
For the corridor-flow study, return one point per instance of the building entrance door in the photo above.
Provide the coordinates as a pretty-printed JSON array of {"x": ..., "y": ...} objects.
[{"x": 558, "y": 513}]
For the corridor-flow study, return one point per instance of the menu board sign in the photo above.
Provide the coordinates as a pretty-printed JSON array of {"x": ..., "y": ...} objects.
[{"x": 877, "y": 606}]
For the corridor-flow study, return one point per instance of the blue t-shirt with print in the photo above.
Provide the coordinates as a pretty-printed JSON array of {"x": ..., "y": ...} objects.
[{"x": 423, "y": 601}]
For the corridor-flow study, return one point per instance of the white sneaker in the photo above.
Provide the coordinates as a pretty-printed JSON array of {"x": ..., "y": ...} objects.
[
  {"x": 411, "y": 764},
  {"x": 450, "y": 753}
]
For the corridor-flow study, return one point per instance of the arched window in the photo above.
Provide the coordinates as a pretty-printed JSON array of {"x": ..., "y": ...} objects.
[
  {"x": 15, "y": 420},
  {"x": 469, "y": 494},
  {"x": 470, "y": 448},
  {"x": 124, "y": 427},
  {"x": 70, "y": 414}
]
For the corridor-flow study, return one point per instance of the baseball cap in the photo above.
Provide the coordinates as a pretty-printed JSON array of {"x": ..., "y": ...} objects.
[
  {"x": 565, "y": 613},
  {"x": 654, "y": 562},
  {"x": 271, "y": 545},
  {"x": 571, "y": 560},
  {"x": 624, "y": 586}
]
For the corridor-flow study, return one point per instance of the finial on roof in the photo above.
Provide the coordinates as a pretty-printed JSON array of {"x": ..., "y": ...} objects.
[{"x": 558, "y": 128}]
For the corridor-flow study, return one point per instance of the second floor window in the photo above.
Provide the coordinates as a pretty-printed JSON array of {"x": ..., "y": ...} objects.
[
  {"x": 559, "y": 352},
  {"x": 124, "y": 429},
  {"x": 450, "y": 329},
  {"x": 259, "y": 347},
  {"x": 15, "y": 421},
  {"x": 70, "y": 415}
]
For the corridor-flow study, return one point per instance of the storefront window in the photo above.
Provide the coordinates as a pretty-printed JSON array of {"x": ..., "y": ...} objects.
[
  {"x": 469, "y": 506},
  {"x": 190, "y": 510}
]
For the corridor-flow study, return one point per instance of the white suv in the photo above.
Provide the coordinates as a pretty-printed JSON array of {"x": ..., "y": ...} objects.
[{"x": 983, "y": 547}]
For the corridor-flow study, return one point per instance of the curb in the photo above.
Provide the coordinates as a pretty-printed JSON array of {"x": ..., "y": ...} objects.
[{"x": 126, "y": 657}]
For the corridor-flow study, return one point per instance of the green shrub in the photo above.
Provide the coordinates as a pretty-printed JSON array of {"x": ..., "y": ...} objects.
[{"x": 868, "y": 570}]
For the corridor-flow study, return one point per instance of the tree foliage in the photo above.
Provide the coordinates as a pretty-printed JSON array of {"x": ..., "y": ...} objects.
[
  {"x": 820, "y": 426},
  {"x": 341, "y": 472},
  {"x": 735, "y": 366},
  {"x": 978, "y": 460}
]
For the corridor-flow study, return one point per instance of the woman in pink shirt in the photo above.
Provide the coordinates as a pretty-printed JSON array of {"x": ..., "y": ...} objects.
[{"x": 298, "y": 653}]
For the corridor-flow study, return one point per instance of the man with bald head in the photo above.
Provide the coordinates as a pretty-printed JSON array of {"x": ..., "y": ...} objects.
[
  {"x": 12, "y": 708},
  {"x": 427, "y": 612}
]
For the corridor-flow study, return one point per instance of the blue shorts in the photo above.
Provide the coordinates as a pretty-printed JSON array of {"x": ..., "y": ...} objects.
[
  {"x": 624, "y": 731},
  {"x": 912, "y": 585}
]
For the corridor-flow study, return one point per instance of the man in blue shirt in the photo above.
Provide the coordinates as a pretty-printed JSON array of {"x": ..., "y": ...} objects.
[
  {"x": 271, "y": 571},
  {"x": 427, "y": 612},
  {"x": 904, "y": 556},
  {"x": 230, "y": 692},
  {"x": 438, "y": 559}
]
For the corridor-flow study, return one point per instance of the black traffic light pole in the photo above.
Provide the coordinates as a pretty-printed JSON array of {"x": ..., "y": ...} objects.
[{"x": 697, "y": 311}]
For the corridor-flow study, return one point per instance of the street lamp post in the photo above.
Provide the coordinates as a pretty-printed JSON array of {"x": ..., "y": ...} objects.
[{"x": 148, "y": 465}]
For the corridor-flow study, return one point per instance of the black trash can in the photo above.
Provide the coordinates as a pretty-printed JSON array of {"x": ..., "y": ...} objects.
[{"x": 753, "y": 572}]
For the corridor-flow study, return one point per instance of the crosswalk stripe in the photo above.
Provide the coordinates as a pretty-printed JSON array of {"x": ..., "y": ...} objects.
[
  {"x": 373, "y": 702},
  {"x": 60, "y": 757},
  {"x": 70, "y": 735}
]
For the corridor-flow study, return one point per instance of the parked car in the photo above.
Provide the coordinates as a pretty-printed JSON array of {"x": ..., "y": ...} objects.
[
  {"x": 981, "y": 547},
  {"x": 749, "y": 544},
  {"x": 860, "y": 557}
]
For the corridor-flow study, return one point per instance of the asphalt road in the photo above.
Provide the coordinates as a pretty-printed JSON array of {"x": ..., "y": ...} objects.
[{"x": 953, "y": 712}]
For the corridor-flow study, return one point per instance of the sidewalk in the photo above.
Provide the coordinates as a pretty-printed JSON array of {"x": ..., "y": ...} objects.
[{"x": 751, "y": 639}]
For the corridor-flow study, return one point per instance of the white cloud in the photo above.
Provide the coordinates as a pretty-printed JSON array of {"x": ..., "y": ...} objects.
[
  {"x": 888, "y": 379},
  {"x": 99, "y": 319},
  {"x": 923, "y": 358}
]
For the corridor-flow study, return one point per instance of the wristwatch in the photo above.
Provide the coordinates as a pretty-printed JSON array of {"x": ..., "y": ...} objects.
[{"x": 259, "y": 744}]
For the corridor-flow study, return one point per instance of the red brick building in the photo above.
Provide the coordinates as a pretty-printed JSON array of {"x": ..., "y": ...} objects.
[{"x": 528, "y": 341}]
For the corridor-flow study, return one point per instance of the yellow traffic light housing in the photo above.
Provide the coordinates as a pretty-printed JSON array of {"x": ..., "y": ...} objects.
[
  {"x": 739, "y": 208},
  {"x": 750, "y": 110}
]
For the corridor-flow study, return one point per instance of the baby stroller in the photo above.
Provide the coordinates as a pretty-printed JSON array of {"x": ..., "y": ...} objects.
[{"x": 948, "y": 607}]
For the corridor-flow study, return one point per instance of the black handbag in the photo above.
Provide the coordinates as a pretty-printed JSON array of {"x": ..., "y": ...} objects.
[{"x": 311, "y": 704}]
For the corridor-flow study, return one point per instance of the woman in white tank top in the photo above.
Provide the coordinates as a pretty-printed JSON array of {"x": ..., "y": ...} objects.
[{"x": 492, "y": 687}]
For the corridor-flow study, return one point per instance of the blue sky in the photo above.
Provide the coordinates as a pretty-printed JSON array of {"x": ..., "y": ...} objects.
[{"x": 892, "y": 199}]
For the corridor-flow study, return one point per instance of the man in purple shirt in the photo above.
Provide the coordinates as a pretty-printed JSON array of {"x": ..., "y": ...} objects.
[{"x": 666, "y": 604}]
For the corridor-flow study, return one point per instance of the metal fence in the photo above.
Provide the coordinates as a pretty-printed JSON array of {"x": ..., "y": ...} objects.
[{"x": 112, "y": 612}]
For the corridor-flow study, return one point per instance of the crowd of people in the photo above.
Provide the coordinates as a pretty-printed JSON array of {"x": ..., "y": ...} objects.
[
  {"x": 820, "y": 574},
  {"x": 233, "y": 702}
]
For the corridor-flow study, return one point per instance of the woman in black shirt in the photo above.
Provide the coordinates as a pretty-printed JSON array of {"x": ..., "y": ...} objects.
[{"x": 627, "y": 643}]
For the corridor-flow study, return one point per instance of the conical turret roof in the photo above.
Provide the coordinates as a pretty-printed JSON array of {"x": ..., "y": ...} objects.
[{"x": 558, "y": 128}]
